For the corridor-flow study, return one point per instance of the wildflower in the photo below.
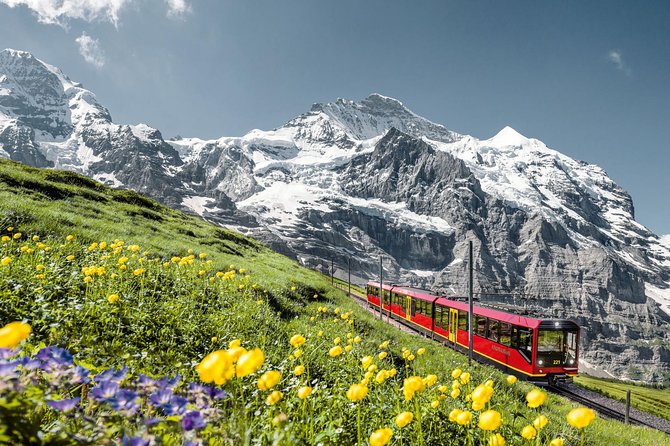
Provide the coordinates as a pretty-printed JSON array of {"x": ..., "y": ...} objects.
[
  {"x": 556, "y": 442},
  {"x": 215, "y": 367},
  {"x": 366, "y": 361},
  {"x": 320, "y": 333},
  {"x": 69, "y": 238},
  {"x": 13, "y": 333},
  {"x": 357, "y": 339},
  {"x": 511, "y": 379},
  {"x": 456, "y": 373},
  {"x": 5, "y": 261},
  {"x": 540, "y": 422},
  {"x": 297, "y": 340},
  {"x": 382, "y": 375},
  {"x": 536, "y": 398},
  {"x": 381, "y": 437},
  {"x": 384, "y": 345},
  {"x": 337, "y": 340},
  {"x": 382, "y": 355},
  {"x": 202, "y": 255},
  {"x": 299, "y": 370},
  {"x": 138, "y": 272},
  {"x": 455, "y": 393},
  {"x": 465, "y": 378},
  {"x": 482, "y": 393},
  {"x": 234, "y": 343},
  {"x": 464, "y": 418},
  {"x": 528, "y": 432},
  {"x": 192, "y": 420},
  {"x": 297, "y": 353},
  {"x": 435, "y": 404},
  {"x": 412, "y": 385},
  {"x": 17, "y": 236},
  {"x": 69, "y": 258},
  {"x": 249, "y": 362},
  {"x": 478, "y": 405},
  {"x": 269, "y": 379},
  {"x": 304, "y": 392},
  {"x": 580, "y": 417},
  {"x": 39, "y": 267},
  {"x": 274, "y": 398},
  {"x": 335, "y": 351},
  {"x": 357, "y": 392},
  {"x": 65, "y": 405},
  {"x": 347, "y": 348},
  {"x": 6, "y": 238},
  {"x": 430, "y": 380},
  {"x": 10, "y": 228},
  {"x": 490, "y": 420},
  {"x": 113, "y": 298},
  {"x": 420, "y": 351},
  {"x": 498, "y": 440},
  {"x": 454, "y": 414},
  {"x": 403, "y": 419},
  {"x": 214, "y": 339},
  {"x": 88, "y": 279}
]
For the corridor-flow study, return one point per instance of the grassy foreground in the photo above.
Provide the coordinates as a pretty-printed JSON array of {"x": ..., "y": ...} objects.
[
  {"x": 648, "y": 399},
  {"x": 138, "y": 293}
]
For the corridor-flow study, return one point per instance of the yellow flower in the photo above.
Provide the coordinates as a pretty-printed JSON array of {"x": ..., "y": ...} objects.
[
  {"x": 430, "y": 380},
  {"x": 17, "y": 236},
  {"x": 465, "y": 378},
  {"x": 497, "y": 440},
  {"x": 113, "y": 298},
  {"x": 455, "y": 384},
  {"x": 320, "y": 333},
  {"x": 202, "y": 255},
  {"x": 236, "y": 352},
  {"x": 292, "y": 288},
  {"x": 482, "y": 393},
  {"x": 490, "y": 420},
  {"x": 6, "y": 238},
  {"x": 412, "y": 385},
  {"x": 382, "y": 355},
  {"x": 69, "y": 238},
  {"x": 420, "y": 351},
  {"x": 464, "y": 418},
  {"x": 269, "y": 379},
  {"x": 297, "y": 353},
  {"x": 6, "y": 261},
  {"x": 335, "y": 351},
  {"x": 528, "y": 432},
  {"x": 249, "y": 362},
  {"x": 456, "y": 373},
  {"x": 381, "y": 437},
  {"x": 357, "y": 339},
  {"x": 384, "y": 345},
  {"x": 556, "y": 442},
  {"x": 511, "y": 379},
  {"x": 299, "y": 370},
  {"x": 13, "y": 333},
  {"x": 234, "y": 343},
  {"x": 540, "y": 422},
  {"x": 215, "y": 367},
  {"x": 214, "y": 339},
  {"x": 366, "y": 361},
  {"x": 138, "y": 272},
  {"x": 347, "y": 348},
  {"x": 434, "y": 404},
  {"x": 455, "y": 393},
  {"x": 580, "y": 417},
  {"x": 536, "y": 398},
  {"x": 88, "y": 279},
  {"x": 403, "y": 419},
  {"x": 36, "y": 238},
  {"x": 357, "y": 392},
  {"x": 478, "y": 405},
  {"x": 304, "y": 392},
  {"x": 274, "y": 398},
  {"x": 382, "y": 375},
  {"x": 337, "y": 340},
  {"x": 69, "y": 258},
  {"x": 454, "y": 414}
]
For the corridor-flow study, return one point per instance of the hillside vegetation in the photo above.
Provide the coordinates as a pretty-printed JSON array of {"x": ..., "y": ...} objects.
[{"x": 133, "y": 305}]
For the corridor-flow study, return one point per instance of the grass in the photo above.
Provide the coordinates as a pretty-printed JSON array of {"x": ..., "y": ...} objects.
[
  {"x": 649, "y": 399},
  {"x": 175, "y": 307}
]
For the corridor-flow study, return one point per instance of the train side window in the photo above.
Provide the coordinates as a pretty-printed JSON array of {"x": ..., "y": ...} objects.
[
  {"x": 494, "y": 330},
  {"x": 462, "y": 320},
  {"x": 505, "y": 334},
  {"x": 480, "y": 326},
  {"x": 522, "y": 340},
  {"x": 438, "y": 316}
]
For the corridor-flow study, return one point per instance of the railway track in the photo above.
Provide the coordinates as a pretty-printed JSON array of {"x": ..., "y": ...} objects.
[{"x": 604, "y": 406}]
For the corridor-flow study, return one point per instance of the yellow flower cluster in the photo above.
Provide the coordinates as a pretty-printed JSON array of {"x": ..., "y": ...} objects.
[
  {"x": 222, "y": 365},
  {"x": 13, "y": 333}
]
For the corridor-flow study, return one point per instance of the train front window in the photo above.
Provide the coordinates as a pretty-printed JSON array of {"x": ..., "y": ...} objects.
[{"x": 556, "y": 347}]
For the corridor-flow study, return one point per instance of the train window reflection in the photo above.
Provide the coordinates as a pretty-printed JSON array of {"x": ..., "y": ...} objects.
[{"x": 556, "y": 347}]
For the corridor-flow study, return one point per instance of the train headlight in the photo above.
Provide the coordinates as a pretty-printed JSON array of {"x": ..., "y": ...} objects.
[
  {"x": 572, "y": 361},
  {"x": 540, "y": 362}
]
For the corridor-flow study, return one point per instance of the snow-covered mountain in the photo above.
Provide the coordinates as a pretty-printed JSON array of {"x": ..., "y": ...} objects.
[{"x": 370, "y": 178}]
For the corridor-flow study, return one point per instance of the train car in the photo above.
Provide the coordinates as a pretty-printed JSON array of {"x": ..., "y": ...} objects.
[{"x": 538, "y": 350}]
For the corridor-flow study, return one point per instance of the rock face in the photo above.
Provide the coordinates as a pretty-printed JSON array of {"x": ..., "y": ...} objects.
[{"x": 353, "y": 181}]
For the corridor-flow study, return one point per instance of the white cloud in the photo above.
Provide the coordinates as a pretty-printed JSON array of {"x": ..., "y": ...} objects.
[
  {"x": 178, "y": 8},
  {"x": 59, "y": 12},
  {"x": 90, "y": 49},
  {"x": 616, "y": 57}
]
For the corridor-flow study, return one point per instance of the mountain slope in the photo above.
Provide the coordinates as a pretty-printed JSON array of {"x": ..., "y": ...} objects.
[{"x": 370, "y": 178}]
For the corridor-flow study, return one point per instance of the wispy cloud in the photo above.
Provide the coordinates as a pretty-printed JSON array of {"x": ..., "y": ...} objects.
[
  {"x": 90, "y": 49},
  {"x": 616, "y": 57},
  {"x": 59, "y": 12}
]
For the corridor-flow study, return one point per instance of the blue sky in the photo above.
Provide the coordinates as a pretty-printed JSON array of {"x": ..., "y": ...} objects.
[{"x": 590, "y": 79}]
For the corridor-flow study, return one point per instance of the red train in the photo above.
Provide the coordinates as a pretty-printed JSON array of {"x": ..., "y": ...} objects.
[{"x": 538, "y": 350}]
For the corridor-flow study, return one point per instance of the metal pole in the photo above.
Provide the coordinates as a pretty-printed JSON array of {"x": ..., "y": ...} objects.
[
  {"x": 332, "y": 272},
  {"x": 381, "y": 290},
  {"x": 627, "y": 420},
  {"x": 349, "y": 266},
  {"x": 470, "y": 292}
]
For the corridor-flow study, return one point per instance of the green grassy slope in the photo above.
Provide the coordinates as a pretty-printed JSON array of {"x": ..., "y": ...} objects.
[{"x": 173, "y": 309}]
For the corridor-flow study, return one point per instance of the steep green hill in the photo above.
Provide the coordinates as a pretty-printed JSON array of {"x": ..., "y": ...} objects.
[{"x": 121, "y": 281}]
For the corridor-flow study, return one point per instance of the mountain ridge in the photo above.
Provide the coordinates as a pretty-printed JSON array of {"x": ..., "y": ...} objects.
[{"x": 370, "y": 178}]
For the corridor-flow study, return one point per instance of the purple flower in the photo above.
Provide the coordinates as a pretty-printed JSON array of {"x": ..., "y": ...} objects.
[
  {"x": 79, "y": 375},
  {"x": 192, "y": 420},
  {"x": 175, "y": 405},
  {"x": 8, "y": 369},
  {"x": 105, "y": 391},
  {"x": 212, "y": 392},
  {"x": 64, "y": 405},
  {"x": 169, "y": 383},
  {"x": 135, "y": 441},
  {"x": 112, "y": 375},
  {"x": 31, "y": 364},
  {"x": 53, "y": 358},
  {"x": 6, "y": 353},
  {"x": 125, "y": 401},
  {"x": 161, "y": 397}
]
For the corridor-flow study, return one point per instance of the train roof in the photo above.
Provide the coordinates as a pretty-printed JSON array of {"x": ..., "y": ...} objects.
[{"x": 503, "y": 316}]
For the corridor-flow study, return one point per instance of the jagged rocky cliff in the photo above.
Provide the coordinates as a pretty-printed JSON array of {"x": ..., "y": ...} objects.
[{"x": 367, "y": 179}]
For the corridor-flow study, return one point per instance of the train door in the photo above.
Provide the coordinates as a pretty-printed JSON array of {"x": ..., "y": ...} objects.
[
  {"x": 410, "y": 309},
  {"x": 453, "y": 324}
]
